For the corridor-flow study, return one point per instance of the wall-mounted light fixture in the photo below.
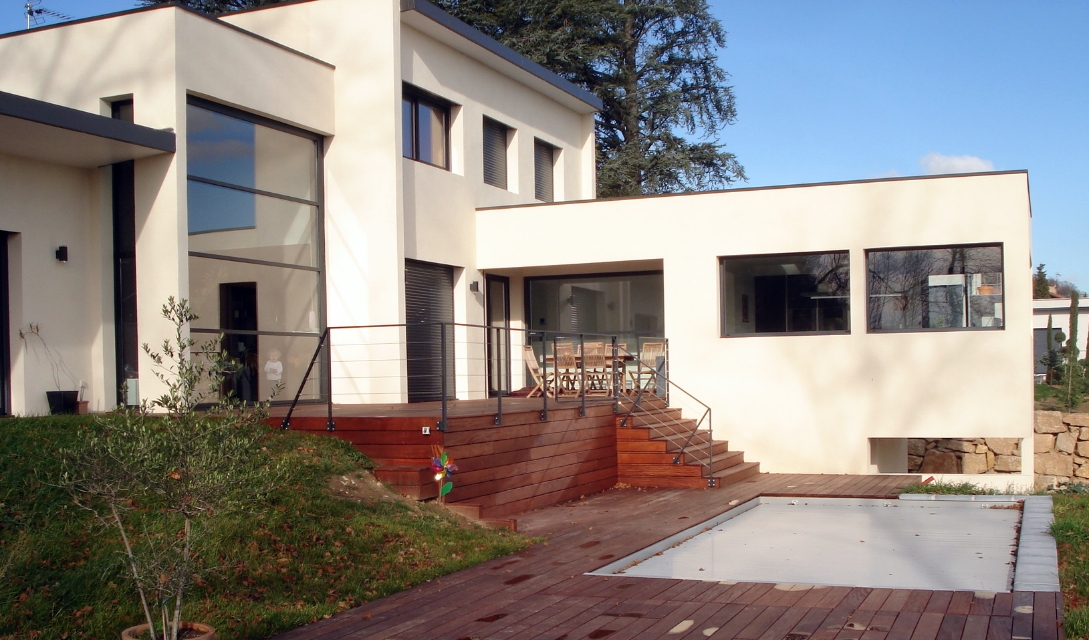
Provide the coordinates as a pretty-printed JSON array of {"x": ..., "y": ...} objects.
[
  {"x": 62, "y": 253},
  {"x": 474, "y": 286}
]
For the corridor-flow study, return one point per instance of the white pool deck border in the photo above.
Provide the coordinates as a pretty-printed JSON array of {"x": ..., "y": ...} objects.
[{"x": 1036, "y": 569}]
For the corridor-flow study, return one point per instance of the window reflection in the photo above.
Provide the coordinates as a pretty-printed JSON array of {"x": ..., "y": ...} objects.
[
  {"x": 955, "y": 287},
  {"x": 786, "y": 293},
  {"x": 630, "y": 306}
]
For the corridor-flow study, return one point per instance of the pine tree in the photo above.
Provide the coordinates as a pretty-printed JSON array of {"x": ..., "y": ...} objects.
[
  {"x": 654, "y": 65},
  {"x": 1041, "y": 286},
  {"x": 215, "y": 7}
]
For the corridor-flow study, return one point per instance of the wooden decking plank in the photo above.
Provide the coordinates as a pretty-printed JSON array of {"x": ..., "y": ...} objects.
[
  {"x": 952, "y": 626},
  {"x": 565, "y": 620},
  {"x": 668, "y": 623},
  {"x": 939, "y": 602},
  {"x": 928, "y": 625},
  {"x": 975, "y": 627},
  {"x": 813, "y": 596},
  {"x": 833, "y": 598},
  {"x": 810, "y": 622},
  {"x": 982, "y": 604},
  {"x": 1044, "y": 622},
  {"x": 961, "y": 602},
  {"x": 761, "y": 623},
  {"x": 784, "y": 624},
  {"x": 876, "y": 598},
  {"x": 754, "y": 594},
  {"x": 699, "y": 619},
  {"x": 1000, "y": 628},
  {"x": 896, "y": 600},
  {"x": 904, "y": 626},
  {"x": 1003, "y": 604},
  {"x": 1022, "y": 614},
  {"x": 739, "y": 621},
  {"x": 842, "y": 612},
  {"x": 883, "y": 620},
  {"x": 529, "y": 624},
  {"x": 734, "y": 592},
  {"x": 916, "y": 601}
]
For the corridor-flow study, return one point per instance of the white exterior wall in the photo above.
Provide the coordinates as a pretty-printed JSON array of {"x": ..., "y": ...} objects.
[
  {"x": 45, "y": 206},
  {"x": 157, "y": 57},
  {"x": 381, "y": 209},
  {"x": 1059, "y": 311},
  {"x": 810, "y": 403}
]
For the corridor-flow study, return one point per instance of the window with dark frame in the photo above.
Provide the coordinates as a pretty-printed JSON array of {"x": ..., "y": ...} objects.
[
  {"x": 544, "y": 163},
  {"x": 255, "y": 246},
  {"x": 785, "y": 293},
  {"x": 126, "y": 338},
  {"x": 425, "y": 122},
  {"x": 496, "y": 136},
  {"x": 935, "y": 288}
]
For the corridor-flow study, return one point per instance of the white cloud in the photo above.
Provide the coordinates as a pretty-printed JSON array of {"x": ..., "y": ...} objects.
[{"x": 936, "y": 163}]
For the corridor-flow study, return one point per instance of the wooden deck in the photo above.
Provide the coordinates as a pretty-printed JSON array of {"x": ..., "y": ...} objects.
[{"x": 542, "y": 592}]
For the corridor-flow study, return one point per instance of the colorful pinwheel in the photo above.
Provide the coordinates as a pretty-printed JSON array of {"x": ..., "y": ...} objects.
[{"x": 444, "y": 467}]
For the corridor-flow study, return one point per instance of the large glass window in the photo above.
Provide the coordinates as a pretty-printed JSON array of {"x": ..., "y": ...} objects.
[
  {"x": 424, "y": 122},
  {"x": 630, "y": 306},
  {"x": 786, "y": 293},
  {"x": 255, "y": 263},
  {"x": 956, "y": 287}
]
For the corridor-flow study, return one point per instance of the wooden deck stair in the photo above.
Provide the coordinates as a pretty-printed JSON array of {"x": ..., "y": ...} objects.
[{"x": 647, "y": 448}]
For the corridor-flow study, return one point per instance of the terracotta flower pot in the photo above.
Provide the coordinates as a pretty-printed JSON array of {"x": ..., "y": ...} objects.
[{"x": 139, "y": 632}]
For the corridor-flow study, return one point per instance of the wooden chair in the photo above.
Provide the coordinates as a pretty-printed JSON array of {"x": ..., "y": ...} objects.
[
  {"x": 598, "y": 370},
  {"x": 646, "y": 365},
  {"x": 567, "y": 369},
  {"x": 542, "y": 379}
]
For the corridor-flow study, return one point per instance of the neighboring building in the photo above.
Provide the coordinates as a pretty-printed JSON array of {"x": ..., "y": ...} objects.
[
  {"x": 332, "y": 163},
  {"x": 1058, "y": 310}
]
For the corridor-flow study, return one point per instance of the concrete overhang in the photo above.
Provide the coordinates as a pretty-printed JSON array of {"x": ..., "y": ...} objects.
[
  {"x": 429, "y": 19},
  {"x": 45, "y": 131}
]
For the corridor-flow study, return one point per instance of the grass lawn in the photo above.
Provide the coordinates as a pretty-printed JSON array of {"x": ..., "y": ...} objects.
[
  {"x": 1053, "y": 398},
  {"x": 1071, "y": 531},
  {"x": 331, "y": 539}
]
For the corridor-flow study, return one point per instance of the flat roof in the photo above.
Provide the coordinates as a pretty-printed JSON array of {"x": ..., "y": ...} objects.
[
  {"x": 773, "y": 187},
  {"x": 45, "y": 131},
  {"x": 538, "y": 75}
]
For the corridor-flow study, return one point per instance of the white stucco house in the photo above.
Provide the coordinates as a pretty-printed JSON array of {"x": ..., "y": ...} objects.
[{"x": 334, "y": 163}]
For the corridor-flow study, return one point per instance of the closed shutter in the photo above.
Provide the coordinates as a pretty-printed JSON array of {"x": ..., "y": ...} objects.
[
  {"x": 429, "y": 299},
  {"x": 543, "y": 162},
  {"x": 495, "y": 153}
]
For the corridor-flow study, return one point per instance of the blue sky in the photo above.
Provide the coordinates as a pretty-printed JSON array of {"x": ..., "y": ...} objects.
[{"x": 843, "y": 90}]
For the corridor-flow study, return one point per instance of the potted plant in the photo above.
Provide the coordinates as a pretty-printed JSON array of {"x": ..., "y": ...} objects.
[
  {"x": 158, "y": 474},
  {"x": 60, "y": 401}
]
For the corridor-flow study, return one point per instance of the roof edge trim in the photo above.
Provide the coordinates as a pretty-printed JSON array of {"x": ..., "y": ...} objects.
[
  {"x": 176, "y": 5},
  {"x": 55, "y": 115},
  {"x": 437, "y": 15},
  {"x": 773, "y": 187}
]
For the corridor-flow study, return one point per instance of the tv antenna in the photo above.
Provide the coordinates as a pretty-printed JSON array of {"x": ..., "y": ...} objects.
[{"x": 35, "y": 15}]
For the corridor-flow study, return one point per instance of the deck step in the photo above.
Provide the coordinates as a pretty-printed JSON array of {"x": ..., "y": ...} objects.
[{"x": 475, "y": 512}]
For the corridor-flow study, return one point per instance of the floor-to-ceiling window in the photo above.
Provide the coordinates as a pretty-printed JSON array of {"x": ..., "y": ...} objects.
[
  {"x": 630, "y": 306},
  {"x": 255, "y": 246}
]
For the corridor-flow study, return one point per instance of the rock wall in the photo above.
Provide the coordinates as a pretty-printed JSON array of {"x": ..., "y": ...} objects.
[
  {"x": 1061, "y": 448},
  {"x": 964, "y": 455}
]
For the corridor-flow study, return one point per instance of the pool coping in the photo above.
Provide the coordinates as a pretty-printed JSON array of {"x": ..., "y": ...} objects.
[{"x": 1036, "y": 569}]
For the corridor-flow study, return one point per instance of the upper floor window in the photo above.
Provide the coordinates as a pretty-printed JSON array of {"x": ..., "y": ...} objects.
[
  {"x": 544, "y": 167},
  {"x": 425, "y": 122},
  {"x": 496, "y": 136},
  {"x": 786, "y": 293},
  {"x": 929, "y": 288}
]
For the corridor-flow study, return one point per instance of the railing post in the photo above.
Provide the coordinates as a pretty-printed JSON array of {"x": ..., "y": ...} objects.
[
  {"x": 710, "y": 451},
  {"x": 616, "y": 380},
  {"x": 500, "y": 374},
  {"x": 582, "y": 375},
  {"x": 442, "y": 376},
  {"x": 329, "y": 424},
  {"x": 286, "y": 422},
  {"x": 555, "y": 373}
]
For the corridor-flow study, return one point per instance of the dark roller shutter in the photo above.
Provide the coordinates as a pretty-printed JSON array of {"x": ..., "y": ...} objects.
[
  {"x": 543, "y": 161},
  {"x": 429, "y": 299},
  {"x": 495, "y": 153}
]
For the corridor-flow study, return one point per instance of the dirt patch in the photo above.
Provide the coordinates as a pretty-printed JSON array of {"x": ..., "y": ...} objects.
[{"x": 361, "y": 486}]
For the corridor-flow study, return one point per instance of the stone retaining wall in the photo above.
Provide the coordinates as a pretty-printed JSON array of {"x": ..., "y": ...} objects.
[
  {"x": 1061, "y": 448},
  {"x": 964, "y": 455}
]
